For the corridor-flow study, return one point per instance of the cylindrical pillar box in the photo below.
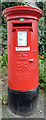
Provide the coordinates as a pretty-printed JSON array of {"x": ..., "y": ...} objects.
[{"x": 22, "y": 31}]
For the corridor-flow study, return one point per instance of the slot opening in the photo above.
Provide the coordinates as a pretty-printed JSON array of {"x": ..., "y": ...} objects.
[{"x": 22, "y": 24}]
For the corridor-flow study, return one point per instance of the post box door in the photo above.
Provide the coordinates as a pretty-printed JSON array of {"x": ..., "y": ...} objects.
[{"x": 24, "y": 61}]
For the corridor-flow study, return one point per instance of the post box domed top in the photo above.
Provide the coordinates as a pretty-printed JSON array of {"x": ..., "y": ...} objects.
[{"x": 23, "y": 11}]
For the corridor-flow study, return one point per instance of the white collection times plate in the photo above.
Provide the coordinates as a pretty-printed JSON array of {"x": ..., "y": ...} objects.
[
  {"x": 22, "y": 41},
  {"x": 22, "y": 38}
]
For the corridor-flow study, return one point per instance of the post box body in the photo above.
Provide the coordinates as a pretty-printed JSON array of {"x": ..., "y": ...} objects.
[
  {"x": 23, "y": 60},
  {"x": 22, "y": 32}
]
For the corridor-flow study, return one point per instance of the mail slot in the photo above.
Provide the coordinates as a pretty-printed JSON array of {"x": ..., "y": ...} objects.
[
  {"x": 23, "y": 84},
  {"x": 22, "y": 24}
]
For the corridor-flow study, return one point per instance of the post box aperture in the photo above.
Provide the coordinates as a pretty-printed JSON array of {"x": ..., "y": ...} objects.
[{"x": 23, "y": 84}]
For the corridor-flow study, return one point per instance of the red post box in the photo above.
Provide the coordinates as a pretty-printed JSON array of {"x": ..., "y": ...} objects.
[{"x": 23, "y": 85}]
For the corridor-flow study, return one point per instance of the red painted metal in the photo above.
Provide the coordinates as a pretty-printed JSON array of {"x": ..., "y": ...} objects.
[{"x": 22, "y": 65}]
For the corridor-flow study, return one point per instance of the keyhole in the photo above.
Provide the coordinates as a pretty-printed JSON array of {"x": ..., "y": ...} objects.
[{"x": 34, "y": 51}]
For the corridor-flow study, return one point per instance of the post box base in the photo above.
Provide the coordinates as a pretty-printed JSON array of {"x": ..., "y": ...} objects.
[{"x": 23, "y": 102}]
